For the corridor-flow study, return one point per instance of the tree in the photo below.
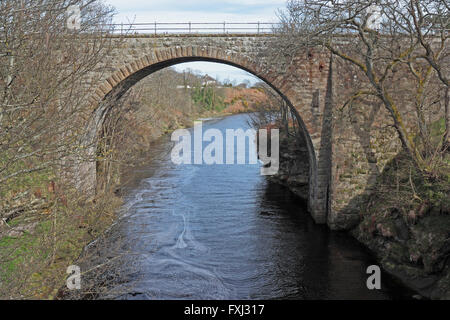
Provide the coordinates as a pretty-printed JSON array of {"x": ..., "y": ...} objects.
[
  {"x": 44, "y": 67},
  {"x": 378, "y": 38},
  {"x": 45, "y": 77}
]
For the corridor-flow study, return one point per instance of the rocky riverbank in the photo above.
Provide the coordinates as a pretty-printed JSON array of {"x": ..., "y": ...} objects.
[
  {"x": 404, "y": 223},
  {"x": 294, "y": 167}
]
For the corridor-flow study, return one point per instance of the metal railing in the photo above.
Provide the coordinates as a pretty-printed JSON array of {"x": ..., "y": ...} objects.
[{"x": 194, "y": 27}]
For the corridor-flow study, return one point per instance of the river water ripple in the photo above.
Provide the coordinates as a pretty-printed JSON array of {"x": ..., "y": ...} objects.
[{"x": 222, "y": 232}]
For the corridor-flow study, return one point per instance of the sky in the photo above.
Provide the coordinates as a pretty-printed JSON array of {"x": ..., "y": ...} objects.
[{"x": 149, "y": 11}]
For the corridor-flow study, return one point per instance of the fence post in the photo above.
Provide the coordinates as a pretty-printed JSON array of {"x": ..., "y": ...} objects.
[
  {"x": 155, "y": 28},
  {"x": 189, "y": 27},
  {"x": 224, "y": 29},
  {"x": 258, "y": 27}
]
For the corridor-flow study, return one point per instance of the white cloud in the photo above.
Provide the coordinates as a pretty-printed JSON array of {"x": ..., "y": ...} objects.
[
  {"x": 218, "y": 71},
  {"x": 180, "y": 16},
  {"x": 149, "y": 4},
  {"x": 141, "y": 11}
]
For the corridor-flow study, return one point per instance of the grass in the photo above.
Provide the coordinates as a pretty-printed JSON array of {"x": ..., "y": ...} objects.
[
  {"x": 21, "y": 249},
  {"x": 22, "y": 182},
  {"x": 33, "y": 264}
]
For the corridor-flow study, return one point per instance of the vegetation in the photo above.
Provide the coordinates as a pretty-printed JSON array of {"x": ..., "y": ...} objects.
[
  {"x": 164, "y": 101},
  {"x": 208, "y": 98},
  {"x": 401, "y": 62},
  {"x": 397, "y": 55},
  {"x": 393, "y": 54},
  {"x": 44, "y": 220},
  {"x": 385, "y": 42},
  {"x": 406, "y": 222}
]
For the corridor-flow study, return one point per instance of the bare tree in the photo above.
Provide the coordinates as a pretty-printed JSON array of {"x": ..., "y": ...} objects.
[
  {"x": 44, "y": 67},
  {"x": 379, "y": 38},
  {"x": 45, "y": 77}
]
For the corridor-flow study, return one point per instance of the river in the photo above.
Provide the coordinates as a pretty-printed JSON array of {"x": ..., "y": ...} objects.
[{"x": 222, "y": 232}]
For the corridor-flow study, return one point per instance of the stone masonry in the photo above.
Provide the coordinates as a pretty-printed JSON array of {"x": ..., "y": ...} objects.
[{"x": 307, "y": 84}]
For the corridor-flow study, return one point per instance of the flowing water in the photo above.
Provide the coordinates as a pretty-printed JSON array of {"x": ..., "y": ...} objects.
[{"x": 223, "y": 232}]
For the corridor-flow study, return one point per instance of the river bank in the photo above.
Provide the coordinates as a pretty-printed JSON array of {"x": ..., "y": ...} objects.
[
  {"x": 221, "y": 232},
  {"x": 84, "y": 231},
  {"x": 410, "y": 238},
  {"x": 410, "y": 243},
  {"x": 408, "y": 228},
  {"x": 52, "y": 223}
]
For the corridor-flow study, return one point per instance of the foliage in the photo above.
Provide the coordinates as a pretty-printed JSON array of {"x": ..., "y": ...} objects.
[
  {"x": 208, "y": 98},
  {"x": 43, "y": 67}
]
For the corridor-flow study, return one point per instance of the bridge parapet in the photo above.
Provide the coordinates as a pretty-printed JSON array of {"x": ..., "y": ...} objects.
[{"x": 208, "y": 28}]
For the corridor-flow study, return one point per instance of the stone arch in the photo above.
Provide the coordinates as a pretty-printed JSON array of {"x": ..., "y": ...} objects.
[{"x": 124, "y": 77}]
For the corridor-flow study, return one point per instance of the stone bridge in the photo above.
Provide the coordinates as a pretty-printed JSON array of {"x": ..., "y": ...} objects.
[{"x": 336, "y": 176}]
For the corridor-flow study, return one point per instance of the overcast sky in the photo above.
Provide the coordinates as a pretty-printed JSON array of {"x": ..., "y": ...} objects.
[{"x": 148, "y": 11}]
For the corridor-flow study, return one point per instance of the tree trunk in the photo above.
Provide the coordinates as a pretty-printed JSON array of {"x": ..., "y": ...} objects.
[{"x": 447, "y": 119}]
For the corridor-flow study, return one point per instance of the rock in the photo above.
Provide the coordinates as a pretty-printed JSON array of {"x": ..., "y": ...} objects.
[
  {"x": 401, "y": 229},
  {"x": 424, "y": 283},
  {"x": 384, "y": 231},
  {"x": 345, "y": 222}
]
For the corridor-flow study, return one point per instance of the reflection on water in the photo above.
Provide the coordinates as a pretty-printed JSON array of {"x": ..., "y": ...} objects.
[{"x": 222, "y": 232}]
